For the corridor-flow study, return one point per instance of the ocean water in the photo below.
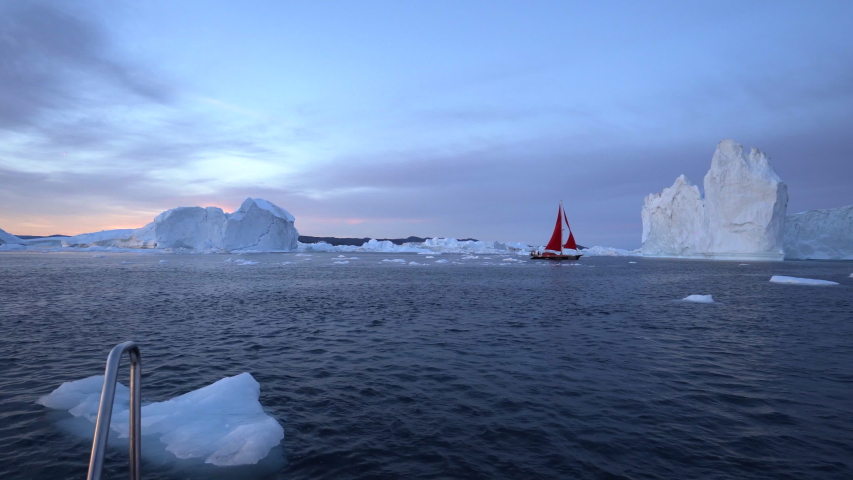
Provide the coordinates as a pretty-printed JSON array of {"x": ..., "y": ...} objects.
[{"x": 592, "y": 369}]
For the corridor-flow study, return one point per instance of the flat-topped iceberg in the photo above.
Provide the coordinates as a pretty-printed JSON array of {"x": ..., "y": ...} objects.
[
  {"x": 222, "y": 423},
  {"x": 820, "y": 235},
  {"x": 741, "y": 216},
  {"x": 800, "y": 281}
]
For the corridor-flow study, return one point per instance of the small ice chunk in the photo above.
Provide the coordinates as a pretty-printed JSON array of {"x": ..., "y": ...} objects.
[
  {"x": 396, "y": 260},
  {"x": 742, "y": 264},
  {"x": 342, "y": 262},
  {"x": 799, "y": 281},
  {"x": 229, "y": 260},
  {"x": 127, "y": 263},
  {"x": 698, "y": 299},
  {"x": 286, "y": 263},
  {"x": 240, "y": 261},
  {"x": 429, "y": 256},
  {"x": 164, "y": 261},
  {"x": 632, "y": 262},
  {"x": 443, "y": 261},
  {"x": 851, "y": 275},
  {"x": 97, "y": 256},
  {"x": 415, "y": 263}
]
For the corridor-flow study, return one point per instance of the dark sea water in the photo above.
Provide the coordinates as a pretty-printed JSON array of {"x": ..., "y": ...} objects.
[{"x": 468, "y": 371}]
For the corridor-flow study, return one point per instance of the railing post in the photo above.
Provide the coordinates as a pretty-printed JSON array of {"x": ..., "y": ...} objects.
[{"x": 105, "y": 411}]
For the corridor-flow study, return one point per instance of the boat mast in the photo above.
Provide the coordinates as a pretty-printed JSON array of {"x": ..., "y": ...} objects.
[{"x": 562, "y": 212}]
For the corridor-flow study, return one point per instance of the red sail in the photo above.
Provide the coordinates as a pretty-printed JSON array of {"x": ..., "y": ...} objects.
[
  {"x": 570, "y": 243},
  {"x": 557, "y": 237}
]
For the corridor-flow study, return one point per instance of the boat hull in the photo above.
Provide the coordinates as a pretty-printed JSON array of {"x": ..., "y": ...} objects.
[{"x": 555, "y": 257}]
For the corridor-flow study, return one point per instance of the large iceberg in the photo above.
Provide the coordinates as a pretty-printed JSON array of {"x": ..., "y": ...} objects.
[
  {"x": 741, "y": 216},
  {"x": 820, "y": 235},
  {"x": 222, "y": 423},
  {"x": 257, "y": 225}
]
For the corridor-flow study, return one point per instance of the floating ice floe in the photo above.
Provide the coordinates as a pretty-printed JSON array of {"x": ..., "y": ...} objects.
[
  {"x": 240, "y": 261},
  {"x": 97, "y": 256},
  {"x": 632, "y": 262},
  {"x": 429, "y": 256},
  {"x": 341, "y": 262},
  {"x": 286, "y": 263},
  {"x": 415, "y": 263},
  {"x": 742, "y": 264},
  {"x": 396, "y": 260},
  {"x": 223, "y": 423},
  {"x": 799, "y": 281},
  {"x": 447, "y": 261},
  {"x": 698, "y": 299},
  {"x": 127, "y": 263},
  {"x": 164, "y": 261}
]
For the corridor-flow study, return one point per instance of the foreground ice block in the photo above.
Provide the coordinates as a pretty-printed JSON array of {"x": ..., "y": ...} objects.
[
  {"x": 741, "y": 216},
  {"x": 820, "y": 235},
  {"x": 223, "y": 423}
]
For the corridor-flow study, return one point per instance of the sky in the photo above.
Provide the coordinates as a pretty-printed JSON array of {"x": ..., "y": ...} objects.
[{"x": 432, "y": 118}]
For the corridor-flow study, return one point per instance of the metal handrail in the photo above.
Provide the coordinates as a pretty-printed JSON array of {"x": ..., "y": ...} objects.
[{"x": 105, "y": 411}]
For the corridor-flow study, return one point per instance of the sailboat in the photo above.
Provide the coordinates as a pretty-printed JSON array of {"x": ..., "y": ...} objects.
[{"x": 556, "y": 243}]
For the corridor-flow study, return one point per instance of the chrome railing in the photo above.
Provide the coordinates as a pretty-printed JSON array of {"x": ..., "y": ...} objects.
[{"x": 105, "y": 411}]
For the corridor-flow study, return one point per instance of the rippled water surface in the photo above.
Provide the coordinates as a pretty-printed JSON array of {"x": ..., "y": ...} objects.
[{"x": 469, "y": 370}]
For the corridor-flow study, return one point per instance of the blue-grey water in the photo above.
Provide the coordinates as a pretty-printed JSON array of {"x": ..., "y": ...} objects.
[{"x": 470, "y": 370}]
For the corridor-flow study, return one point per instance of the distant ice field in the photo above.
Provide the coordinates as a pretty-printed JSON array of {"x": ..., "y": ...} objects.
[{"x": 398, "y": 365}]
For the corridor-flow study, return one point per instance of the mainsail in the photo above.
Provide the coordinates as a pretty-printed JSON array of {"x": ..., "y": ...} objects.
[{"x": 557, "y": 237}]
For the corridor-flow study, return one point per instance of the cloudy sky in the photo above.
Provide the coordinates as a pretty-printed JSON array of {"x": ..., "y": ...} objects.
[{"x": 388, "y": 118}]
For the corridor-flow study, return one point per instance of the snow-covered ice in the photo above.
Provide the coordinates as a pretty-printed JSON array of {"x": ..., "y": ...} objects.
[
  {"x": 164, "y": 261},
  {"x": 257, "y": 225},
  {"x": 698, "y": 299},
  {"x": 8, "y": 238},
  {"x": 799, "y": 281},
  {"x": 741, "y": 216},
  {"x": 396, "y": 260},
  {"x": 223, "y": 423},
  {"x": 632, "y": 262},
  {"x": 598, "y": 251},
  {"x": 820, "y": 235},
  {"x": 448, "y": 261},
  {"x": 341, "y": 262},
  {"x": 240, "y": 261}
]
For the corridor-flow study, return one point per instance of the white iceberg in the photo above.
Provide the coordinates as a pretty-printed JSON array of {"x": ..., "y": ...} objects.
[
  {"x": 223, "y": 423},
  {"x": 8, "y": 238},
  {"x": 820, "y": 235},
  {"x": 741, "y": 216},
  {"x": 598, "y": 251},
  {"x": 257, "y": 225},
  {"x": 799, "y": 281},
  {"x": 698, "y": 299}
]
